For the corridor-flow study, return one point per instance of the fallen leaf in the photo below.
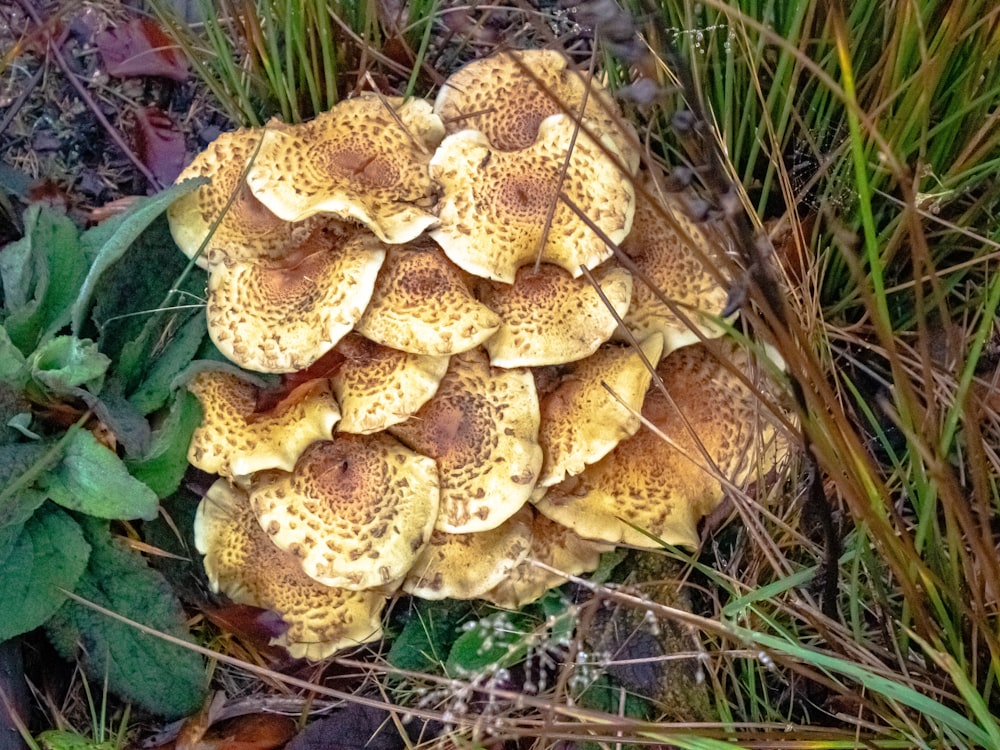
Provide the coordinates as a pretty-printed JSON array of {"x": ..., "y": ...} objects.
[
  {"x": 141, "y": 48},
  {"x": 159, "y": 143}
]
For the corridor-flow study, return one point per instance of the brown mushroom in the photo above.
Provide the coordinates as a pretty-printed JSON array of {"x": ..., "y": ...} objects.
[
  {"x": 556, "y": 553},
  {"x": 506, "y": 97},
  {"x": 244, "y": 229},
  {"x": 235, "y": 441},
  {"x": 550, "y": 318},
  {"x": 356, "y": 510},
  {"x": 482, "y": 429},
  {"x": 283, "y": 317},
  {"x": 241, "y": 563},
  {"x": 377, "y": 386},
  {"x": 595, "y": 406},
  {"x": 495, "y": 205},
  {"x": 365, "y": 160},
  {"x": 422, "y": 304},
  {"x": 669, "y": 252},
  {"x": 465, "y": 566},
  {"x": 712, "y": 432}
]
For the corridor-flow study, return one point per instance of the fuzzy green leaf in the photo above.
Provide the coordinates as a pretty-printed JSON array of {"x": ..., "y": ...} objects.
[
  {"x": 495, "y": 641},
  {"x": 163, "y": 467},
  {"x": 156, "y": 388},
  {"x": 49, "y": 556},
  {"x": 65, "y": 363},
  {"x": 93, "y": 480},
  {"x": 428, "y": 634},
  {"x": 41, "y": 275},
  {"x": 109, "y": 240},
  {"x": 12, "y": 371},
  {"x": 164, "y": 678}
]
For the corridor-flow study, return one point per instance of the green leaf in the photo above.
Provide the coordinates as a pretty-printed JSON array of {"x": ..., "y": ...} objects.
[
  {"x": 164, "y": 678},
  {"x": 498, "y": 640},
  {"x": 93, "y": 480},
  {"x": 428, "y": 634},
  {"x": 12, "y": 370},
  {"x": 65, "y": 363},
  {"x": 156, "y": 388},
  {"x": 59, "y": 739},
  {"x": 163, "y": 467},
  {"x": 109, "y": 240},
  {"x": 41, "y": 275},
  {"x": 20, "y": 466},
  {"x": 48, "y": 557}
]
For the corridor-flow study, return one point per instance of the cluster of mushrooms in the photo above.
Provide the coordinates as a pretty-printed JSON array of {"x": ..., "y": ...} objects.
[{"x": 472, "y": 296}]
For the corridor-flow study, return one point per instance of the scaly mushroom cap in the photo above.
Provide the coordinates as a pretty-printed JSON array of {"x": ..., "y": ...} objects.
[
  {"x": 423, "y": 305},
  {"x": 495, "y": 204},
  {"x": 553, "y": 545},
  {"x": 716, "y": 427},
  {"x": 377, "y": 386},
  {"x": 247, "y": 229},
  {"x": 550, "y": 318},
  {"x": 665, "y": 259},
  {"x": 283, "y": 318},
  {"x": 581, "y": 420},
  {"x": 241, "y": 563},
  {"x": 356, "y": 510},
  {"x": 482, "y": 429},
  {"x": 465, "y": 566},
  {"x": 233, "y": 441},
  {"x": 499, "y": 97},
  {"x": 364, "y": 160}
]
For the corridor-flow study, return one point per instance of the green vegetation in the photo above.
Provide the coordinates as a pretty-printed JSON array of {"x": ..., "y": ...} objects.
[{"x": 862, "y": 140}]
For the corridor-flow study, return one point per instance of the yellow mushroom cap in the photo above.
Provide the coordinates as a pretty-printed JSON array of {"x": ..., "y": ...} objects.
[
  {"x": 666, "y": 262},
  {"x": 233, "y": 441},
  {"x": 494, "y": 204},
  {"x": 550, "y": 318},
  {"x": 716, "y": 427},
  {"x": 465, "y": 566},
  {"x": 283, "y": 318},
  {"x": 581, "y": 420},
  {"x": 247, "y": 230},
  {"x": 482, "y": 429},
  {"x": 241, "y": 562},
  {"x": 364, "y": 160},
  {"x": 555, "y": 546},
  {"x": 377, "y": 386},
  {"x": 356, "y": 510},
  {"x": 499, "y": 97},
  {"x": 423, "y": 305}
]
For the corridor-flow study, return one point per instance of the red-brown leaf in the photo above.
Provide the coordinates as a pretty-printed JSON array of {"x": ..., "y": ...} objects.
[
  {"x": 159, "y": 143},
  {"x": 141, "y": 48}
]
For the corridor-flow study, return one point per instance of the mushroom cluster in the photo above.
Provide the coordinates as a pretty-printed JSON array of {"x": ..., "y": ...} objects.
[{"x": 492, "y": 345}]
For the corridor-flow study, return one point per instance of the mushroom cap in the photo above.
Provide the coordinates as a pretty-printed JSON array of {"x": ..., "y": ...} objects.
[
  {"x": 482, "y": 429},
  {"x": 469, "y": 100},
  {"x": 715, "y": 427},
  {"x": 581, "y": 420},
  {"x": 465, "y": 566},
  {"x": 377, "y": 386},
  {"x": 550, "y": 318},
  {"x": 234, "y": 441},
  {"x": 356, "y": 510},
  {"x": 555, "y": 546},
  {"x": 247, "y": 230},
  {"x": 422, "y": 304},
  {"x": 241, "y": 563},
  {"x": 494, "y": 204},
  {"x": 666, "y": 262},
  {"x": 282, "y": 318},
  {"x": 364, "y": 160}
]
